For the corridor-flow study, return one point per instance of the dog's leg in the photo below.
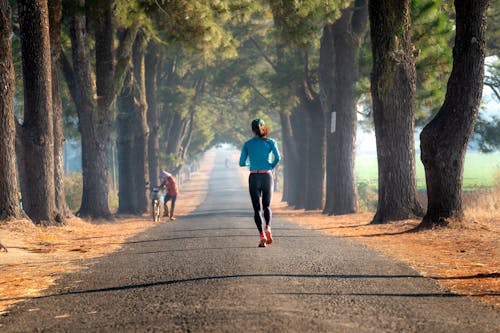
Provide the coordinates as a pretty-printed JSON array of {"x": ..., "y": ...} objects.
[{"x": 3, "y": 248}]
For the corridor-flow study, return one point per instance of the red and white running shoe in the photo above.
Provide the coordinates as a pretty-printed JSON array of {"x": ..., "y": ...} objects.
[
  {"x": 268, "y": 235},
  {"x": 263, "y": 240}
]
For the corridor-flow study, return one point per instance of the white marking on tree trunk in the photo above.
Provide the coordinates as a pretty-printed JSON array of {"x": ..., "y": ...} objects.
[{"x": 333, "y": 122}]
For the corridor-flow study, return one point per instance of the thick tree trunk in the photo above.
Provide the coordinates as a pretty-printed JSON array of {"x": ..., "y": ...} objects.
[
  {"x": 80, "y": 82},
  {"x": 96, "y": 115},
  {"x": 9, "y": 188},
  {"x": 96, "y": 147},
  {"x": 345, "y": 36},
  {"x": 37, "y": 130},
  {"x": 313, "y": 142},
  {"x": 141, "y": 129},
  {"x": 152, "y": 66},
  {"x": 393, "y": 92},
  {"x": 55, "y": 18},
  {"x": 444, "y": 140}
]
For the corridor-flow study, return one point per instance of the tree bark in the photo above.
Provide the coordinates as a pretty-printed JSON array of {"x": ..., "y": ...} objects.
[
  {"x": 127, "y": 203},
  {"x": 37, "y": 130},
  {"x": 298, "y": 176},
  {"x": 288, "y": 155},
  {"x": 96, "y": 115},
  {"x": 313, "y": 141},
  {"x": 327, "y": 91},
  {"x": 152, "y": 66},
  {"x": 315, "y": 152},
  {"x": 141, "y": 129},
  {"x": 10, "y": 207},
  {"x": 444, "y": 140},
  {"x": 342, "y": 43},
  {"x": 393, "y": 82},
  {"x": 55, "y": 19}
]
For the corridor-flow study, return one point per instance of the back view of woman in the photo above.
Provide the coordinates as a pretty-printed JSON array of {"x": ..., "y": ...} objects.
[{"x": 256, "y": 153}]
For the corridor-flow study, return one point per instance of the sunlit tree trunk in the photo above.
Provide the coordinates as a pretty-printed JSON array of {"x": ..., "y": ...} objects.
[
  {"x": 444, "y": 140},
  {"x": 37, "y": 129},
  {"x": 393, "y": 81},
  {"x": 9, "y": 187}
]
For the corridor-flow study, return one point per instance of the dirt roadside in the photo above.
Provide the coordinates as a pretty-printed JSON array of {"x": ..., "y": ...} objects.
[
  {"x": 465, "y": 260},
  {"x": 38, "y": 256}
]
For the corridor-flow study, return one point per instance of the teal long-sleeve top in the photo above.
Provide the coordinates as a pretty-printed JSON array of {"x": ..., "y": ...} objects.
[{"x": 258, "y": 151}]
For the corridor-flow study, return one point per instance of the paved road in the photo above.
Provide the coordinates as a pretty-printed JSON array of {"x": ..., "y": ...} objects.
[{"x": 204, "y": 273}]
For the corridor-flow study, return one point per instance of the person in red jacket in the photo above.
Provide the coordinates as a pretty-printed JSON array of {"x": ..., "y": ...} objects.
[{"x": 167, "y": 181}]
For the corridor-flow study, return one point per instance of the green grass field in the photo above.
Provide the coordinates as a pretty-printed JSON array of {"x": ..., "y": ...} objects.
[{"x": 481, "y": 170}]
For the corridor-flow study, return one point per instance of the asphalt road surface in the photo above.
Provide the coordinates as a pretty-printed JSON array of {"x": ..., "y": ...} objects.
[{"x": 205, "y": 273}]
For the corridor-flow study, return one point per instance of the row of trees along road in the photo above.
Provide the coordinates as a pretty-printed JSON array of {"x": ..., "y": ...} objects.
[{"x": 166, "y": 80}]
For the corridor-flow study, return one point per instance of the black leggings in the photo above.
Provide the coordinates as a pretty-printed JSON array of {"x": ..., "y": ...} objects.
[{"x": 261, "y": 185}]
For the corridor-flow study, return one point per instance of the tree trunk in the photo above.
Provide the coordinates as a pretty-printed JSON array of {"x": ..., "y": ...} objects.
[
  {"x": 199, "y": 91},
  {"x": 141, "y": 129},
  {"x": 175, "y": 135},
  {"x": 81, "y": 85},
  {"x": 444, "y": 140},
  {"x": 96, "y": 147},
  {"x": 152, "y": 66},
  {"x": 9, "y": 188},
  {"x": 298, "y": 180},
  {"x": 96, "y": 118},
  {"x": 55, "y": 18},
  {"x": 125, "y": 142},
  {"x": 315, "y": 153},
  {"x": 37, "y": 130},
  {"x": 287, "y": 154},
  {"x": 327, "y": 91},
  {"x": 345, "y": 36},
  {"x": 393, "y": 92},
  {"x": 313, "y": 141}
]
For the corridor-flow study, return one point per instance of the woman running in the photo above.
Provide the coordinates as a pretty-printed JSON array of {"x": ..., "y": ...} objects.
[{"x": 260, "y": 182}]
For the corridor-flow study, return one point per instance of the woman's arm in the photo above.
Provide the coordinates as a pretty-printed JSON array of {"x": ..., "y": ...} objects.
[
  {"x": 276, "y": 153},
  {"x": 243, "y": 156}
]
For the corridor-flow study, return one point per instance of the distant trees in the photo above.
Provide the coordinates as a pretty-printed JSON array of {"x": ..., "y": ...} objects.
[{"x": 444, "y": 140}]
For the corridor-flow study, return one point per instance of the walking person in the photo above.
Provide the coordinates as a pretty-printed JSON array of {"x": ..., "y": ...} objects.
[
  {"x": 168, "y": 181},
  {"x": 260, "y": 182}
]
